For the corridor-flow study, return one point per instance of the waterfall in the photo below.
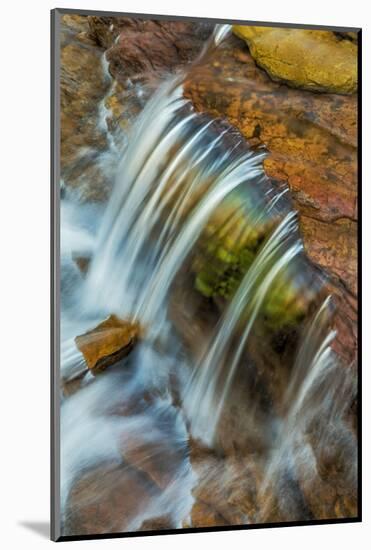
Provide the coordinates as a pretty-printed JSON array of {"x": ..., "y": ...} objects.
[
  {"x": 149, "y": 201},
  {"x": 144, "y": 187},
  {"x": 201, "y": 400},
  {"x": 184, "y": 182}
]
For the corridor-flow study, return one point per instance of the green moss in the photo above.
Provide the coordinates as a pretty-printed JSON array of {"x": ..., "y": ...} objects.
[
  {"x": 283, "y": 305},
  {"x": 222, "y": 266}
]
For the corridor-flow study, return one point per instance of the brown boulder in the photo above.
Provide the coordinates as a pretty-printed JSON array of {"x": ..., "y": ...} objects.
[
  {"x": 107, "y": 343},
  {"x": 145, "y": 47}
]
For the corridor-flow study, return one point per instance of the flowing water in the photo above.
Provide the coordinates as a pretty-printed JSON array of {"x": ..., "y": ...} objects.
[{"x": 176, "y": 176}]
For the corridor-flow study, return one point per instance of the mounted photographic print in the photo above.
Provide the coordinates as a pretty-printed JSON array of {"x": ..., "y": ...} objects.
[{"x": 205, "y": 184}]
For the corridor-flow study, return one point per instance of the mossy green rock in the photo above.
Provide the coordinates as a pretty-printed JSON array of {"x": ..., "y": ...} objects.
[
  {"x": 224, "y": 260},
  {"x": 313, "y": 60}
]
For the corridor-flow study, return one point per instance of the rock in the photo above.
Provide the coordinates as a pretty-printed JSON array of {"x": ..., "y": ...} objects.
[
  {"x": 159, "y": 460},
  {"x": 331, "y": 490},
  {"x": 82, "y": 87},
  {"x": 107, "y": 343},
  {"x": 160, "y": 523},
  {"x": 228, "y": 490},
  {"x": 105, "y": 499},
  {"x": 339, "y": 261},
  {"x": 105, "y": 30},
  {"x": 204, "y": 515},
  {"x": 349, "y": 35},
  {"x": 145, "y": 47},
  {"x": 222, "y": 263},
  {"x": 82, "y": 262},
  {"x": 309, "y": 59},
  {"x": 93, "y": 107}
]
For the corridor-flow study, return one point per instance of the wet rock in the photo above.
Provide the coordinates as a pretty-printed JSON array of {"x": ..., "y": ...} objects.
[
  {"x": 107, "y": 343},
  {"x": 161, "y": 523},
  {"x": 204, "y": 515},
  {"x": 105, "y": 499},
  {"x": 82, "y": 263},
  {"x": 82, "y": 87},
  {"x": 221, "y": 265},
  {"x": 105, "y": 30},
  {"x": 158, "y": 459},
  {"x": 349, "y": 35},
  {"x": 96, "y": 112},
  {"x": 228, "y": 490},
  {"x": 309, "y": 59},
  {"x": 121, "y": 106},
  {"x": 330, "y": 490}
]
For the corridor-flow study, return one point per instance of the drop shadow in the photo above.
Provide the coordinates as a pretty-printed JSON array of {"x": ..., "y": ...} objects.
[{"x": 41, "y": 528}]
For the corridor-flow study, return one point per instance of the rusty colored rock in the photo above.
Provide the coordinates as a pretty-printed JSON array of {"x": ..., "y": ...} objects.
[
  {"x": 310, "y": 59},
  {"x": 158, "y": 460},
  {"x": 105, "y": 499},
  {"x": 105, "y": 30},
  {"x": 332, "y": 246},
  {"x": 107, "y": 343},
  {"x": 160, "y": 523},
  {"x": 82, "y": 87}
]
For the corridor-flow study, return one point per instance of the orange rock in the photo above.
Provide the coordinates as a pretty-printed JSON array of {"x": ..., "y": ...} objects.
[
  {"x": 109, "y": 342},
  {"x": 311, "y": 139}
]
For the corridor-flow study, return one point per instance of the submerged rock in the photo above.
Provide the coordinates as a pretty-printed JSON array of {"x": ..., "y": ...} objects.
[
  {"x": 159, "y": 460},
  {"x": 228, "y": 490},
  {"x": 146, "y": 46},
  {"x": 223, "y": 261},
  {"x": 107, "y": 343},
  {"x": 82, "y": 262},
  {"x": 309, "y": 59}
]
